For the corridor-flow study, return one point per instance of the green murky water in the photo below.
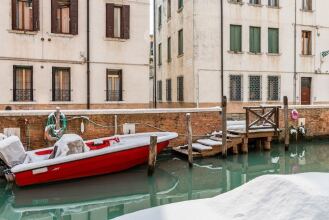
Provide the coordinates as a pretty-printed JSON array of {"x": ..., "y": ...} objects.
[{"x": 110, "y": 196}]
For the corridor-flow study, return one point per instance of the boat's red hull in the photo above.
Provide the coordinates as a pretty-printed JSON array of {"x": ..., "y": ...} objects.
[{"x": 104, "y": 164}]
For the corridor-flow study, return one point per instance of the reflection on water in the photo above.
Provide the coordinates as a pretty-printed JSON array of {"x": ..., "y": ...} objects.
[{"x": 110, "y": 196}]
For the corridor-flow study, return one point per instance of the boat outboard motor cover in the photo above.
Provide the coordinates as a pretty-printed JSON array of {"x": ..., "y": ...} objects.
[
  {"x": 69, "y": 144},
  {"x": 12, "y": 151}
]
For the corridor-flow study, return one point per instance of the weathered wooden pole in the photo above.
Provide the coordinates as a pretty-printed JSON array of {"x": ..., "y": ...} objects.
[
  {"x": 152, "y": 154},
  {"x": 224, "y": 127},
  {"x": 115, "y": 124},
  {"x": 286, "y": 123},
  {"x": 189, "y": 139}
]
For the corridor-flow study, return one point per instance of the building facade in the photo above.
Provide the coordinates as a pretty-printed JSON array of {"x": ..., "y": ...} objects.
[
  {"x": 49, "y": 57},
  {"x": 267, "y": 55}
]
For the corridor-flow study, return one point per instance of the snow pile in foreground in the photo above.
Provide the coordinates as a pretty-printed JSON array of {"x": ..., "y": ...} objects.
[{"x": 302, "y": 196}]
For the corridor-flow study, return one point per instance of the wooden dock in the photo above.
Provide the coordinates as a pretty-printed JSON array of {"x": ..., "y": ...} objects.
[{"x": 261, "y": 125}]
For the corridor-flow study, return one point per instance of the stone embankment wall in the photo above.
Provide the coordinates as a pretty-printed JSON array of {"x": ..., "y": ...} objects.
[{"x": 32, "y": 123}]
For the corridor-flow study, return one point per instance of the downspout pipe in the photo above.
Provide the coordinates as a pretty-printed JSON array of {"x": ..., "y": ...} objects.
[
  {"x": 222, "y": 49},
  {"x": 154, "y": 56},
  {"x": 88, "y": 54},
  {"x": 295, "y": 55}
]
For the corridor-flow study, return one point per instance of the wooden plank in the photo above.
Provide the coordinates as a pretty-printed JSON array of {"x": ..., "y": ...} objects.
[
  {"x": 189, "y": 139},
  {"x": 152, "y": 154},
  {"x": 286, "y": 124}
]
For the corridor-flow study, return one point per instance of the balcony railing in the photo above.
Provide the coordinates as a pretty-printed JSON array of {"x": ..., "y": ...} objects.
[
  {"x": 23, "y": 95},
  {"x": 113, "y": 95},
  {"x": 62, "y": 95}
]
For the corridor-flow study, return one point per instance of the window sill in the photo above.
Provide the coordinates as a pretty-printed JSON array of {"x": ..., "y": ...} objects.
[
  {"x": 61, "y": 35},
  {"x": 114, "y": 102},
  {"x": 180, "y": 55},
  {"x": 255, "y": 5},
  {"x": 180, "y": 9},
  {"x": 22, "y": 102},
  {"x": 273, "y": 54},
  {"x": 273, "y": 7},
  {"x": 306, "y": 55},
  {"x": 115, "y": 39},
  {"x": 235, "y": 52},
  {"x": 252, "y": 53},
  {"x": 23, "y": 32},
  {"x": 235, "y": 3},
  {"x": 307, "y": 10},
  {"x": 61, "y": 102}
]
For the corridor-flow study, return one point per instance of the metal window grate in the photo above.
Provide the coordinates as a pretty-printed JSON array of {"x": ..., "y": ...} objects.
[
  {"x": 168, "y": 90},
  {"x": 159, "y": 93},
  {"x": 255, "y": 88},
  {"x": 235, "y": 87},
  {"x": 180, "y": 89},
  {"x": 273, "y": 87}
]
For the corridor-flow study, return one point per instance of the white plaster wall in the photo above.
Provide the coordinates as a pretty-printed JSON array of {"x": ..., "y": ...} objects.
[
  {"x": 206, "y": 47},
  {"x": 132, "y": 55}
]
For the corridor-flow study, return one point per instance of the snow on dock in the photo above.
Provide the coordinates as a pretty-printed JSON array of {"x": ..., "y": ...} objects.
[{"x": 302, "y": 196}]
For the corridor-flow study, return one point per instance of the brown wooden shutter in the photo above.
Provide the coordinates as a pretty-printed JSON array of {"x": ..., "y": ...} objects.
[
  {"x": 13, "y": 14},
  {"x": 74, "y": 17},
  {"x": 109, "y": 20},
  {"x": 54, "y": 6},
  {"x": 125, "y": 22},
  {"x": 36, "y": 17}
]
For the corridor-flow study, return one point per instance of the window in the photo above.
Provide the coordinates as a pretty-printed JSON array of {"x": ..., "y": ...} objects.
[
  {"x": 169, "y": 49},
  {"x": 180, "y": 42},
  {"x": 168, "y": 90},
  {"x": 254, "y": 40},
  {"x": 273, "y": 3},
  {"x": 273, "y": 40},
  {"x": 23, "y": 84},
  {"x": 114, "y": 85},
  {"x": 236, "y": 88},
  {"x": 160, "y": 17},
  {"x": 180, "y": 4},
  {"x": 117, "y": 21},
  {"x": 180, "y": 89},
  {"x": 273, "y": 86},
  {"x": 168, "y": 9},
  {"x": 160, "y": 54},
  {"x": 64, "y": 16},
  {"x": 254, "y": 2},
  {"x": 235, "y": 38},
  {"x": 255, "y": 91},
  {"x": 306, "y": 43},
  {"x": 307, "y": 5},
  {"x": 159, "y": 90},
  {"x": 61, "y": 84},
  {"x": 235, "y": 1},
  {"x": 25, "y": 15}
]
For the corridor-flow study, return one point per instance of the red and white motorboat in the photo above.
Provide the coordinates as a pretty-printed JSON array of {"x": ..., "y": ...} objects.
[{"x": 102, "y": 156}]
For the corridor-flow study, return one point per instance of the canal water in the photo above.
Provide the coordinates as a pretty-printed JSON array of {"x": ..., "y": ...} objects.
[{"x": 107, "y": 197}]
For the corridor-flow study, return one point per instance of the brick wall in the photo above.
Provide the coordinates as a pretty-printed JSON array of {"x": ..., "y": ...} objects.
[
  {"x": 32, "y": 123},
  {"x": 316, "y": 119}
]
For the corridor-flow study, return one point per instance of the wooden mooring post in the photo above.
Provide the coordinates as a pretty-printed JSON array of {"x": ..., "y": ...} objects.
[
  {"x": 224, "y": 127},
  {"x": 189, "y": 138},
  {"x": 286, "y": 123},
  {"x": 152, "y": 154}
]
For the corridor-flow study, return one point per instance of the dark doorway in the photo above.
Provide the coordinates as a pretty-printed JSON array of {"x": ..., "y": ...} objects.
[{"x": 306, "y": 85}]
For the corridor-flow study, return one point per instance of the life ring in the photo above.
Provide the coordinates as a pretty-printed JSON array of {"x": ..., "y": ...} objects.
[
  {"x": 55, "y": 129},
  {"x": 294, "y": 115}
]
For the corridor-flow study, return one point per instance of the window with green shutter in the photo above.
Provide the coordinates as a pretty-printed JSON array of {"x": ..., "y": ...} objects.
[
  {"x": 235, "y": 38},
  {"x": 160, "y": 54},
  {"x": 180, "y": 42},
  {"x": 169, "y": 49},
  {"x": 273, "y": 40},
  {"x": 254, "y": 40},
  {"x": 180, "y": 4}
]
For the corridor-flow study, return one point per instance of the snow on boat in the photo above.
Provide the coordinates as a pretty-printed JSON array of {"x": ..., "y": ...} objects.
[{"x": 71, "y": 158}]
